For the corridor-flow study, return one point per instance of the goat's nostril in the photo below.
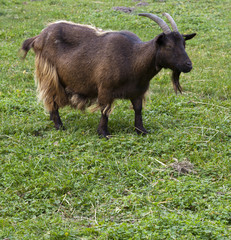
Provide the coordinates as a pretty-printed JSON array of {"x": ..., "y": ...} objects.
[{"x": 188, "y": 63}]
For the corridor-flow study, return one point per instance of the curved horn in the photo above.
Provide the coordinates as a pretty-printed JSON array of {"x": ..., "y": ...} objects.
[
  {"x": 172, "y": 22},
  {"x": 166, "y": 29}
]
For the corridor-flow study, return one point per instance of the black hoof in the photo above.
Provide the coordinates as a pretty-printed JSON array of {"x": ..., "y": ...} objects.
[
  {"x": 60, "y": 127},
  {"x": 103, "y": 134},
  {"x": 141, "y": 131}
]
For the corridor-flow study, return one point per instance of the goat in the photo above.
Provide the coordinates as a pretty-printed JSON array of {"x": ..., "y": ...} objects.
[{"x": 79, "y": 65}]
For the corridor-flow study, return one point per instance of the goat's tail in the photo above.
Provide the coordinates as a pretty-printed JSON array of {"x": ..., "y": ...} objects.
[{"x": 26, "y": 46}]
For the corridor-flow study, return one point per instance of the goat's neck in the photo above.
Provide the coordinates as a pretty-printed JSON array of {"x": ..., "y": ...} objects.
[{"x": 145, "y": 65}]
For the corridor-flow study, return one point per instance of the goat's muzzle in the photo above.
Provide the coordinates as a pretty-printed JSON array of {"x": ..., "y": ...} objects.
[{"x": 187, "y": 67}]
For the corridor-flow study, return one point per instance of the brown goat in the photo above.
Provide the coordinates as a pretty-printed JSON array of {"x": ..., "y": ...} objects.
[{"x": 79, "y": 65}]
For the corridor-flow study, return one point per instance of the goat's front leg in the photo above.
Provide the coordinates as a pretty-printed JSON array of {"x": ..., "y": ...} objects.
[
  {"x": 54, "y": 116},
  {"x": 103, "y": 124},
  {"x": 137, "y": 106}
]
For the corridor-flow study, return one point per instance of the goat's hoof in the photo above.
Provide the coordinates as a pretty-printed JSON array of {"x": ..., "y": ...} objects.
[
  {"x": 141, "y": 131},
  {"x": 103, "y": 134},
  {"x": 60, "y": 127}
]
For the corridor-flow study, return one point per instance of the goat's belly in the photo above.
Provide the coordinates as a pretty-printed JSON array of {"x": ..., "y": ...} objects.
[
  {"x": 129, "y": 92},
  {"x": 86, "y": 90},
  {"x": 80, "y": 98}
]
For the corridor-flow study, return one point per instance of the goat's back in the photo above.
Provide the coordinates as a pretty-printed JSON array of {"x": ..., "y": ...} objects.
[{"x": 86, "y": 57}]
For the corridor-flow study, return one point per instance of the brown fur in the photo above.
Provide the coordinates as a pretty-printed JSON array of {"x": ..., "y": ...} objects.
[{"x": 79, "y": 65}]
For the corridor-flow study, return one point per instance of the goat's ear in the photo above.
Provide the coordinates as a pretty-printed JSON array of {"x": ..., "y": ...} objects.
[
  {"x": 189, "y": 36},
  {"x": 161, "y": 39}
]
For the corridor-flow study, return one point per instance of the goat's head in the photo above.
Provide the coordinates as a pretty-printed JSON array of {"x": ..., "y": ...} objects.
[{"x": 171, "y": 48}]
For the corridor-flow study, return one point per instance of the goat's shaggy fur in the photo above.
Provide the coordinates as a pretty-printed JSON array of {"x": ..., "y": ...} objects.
[{"x": 49, "y": 89}]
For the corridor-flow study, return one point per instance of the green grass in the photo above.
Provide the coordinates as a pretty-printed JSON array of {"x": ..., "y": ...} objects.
[{"x": 73, "y": 185}]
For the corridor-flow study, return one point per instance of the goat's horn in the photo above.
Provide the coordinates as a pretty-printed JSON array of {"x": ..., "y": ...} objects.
[
  {"x": 166, "y": 29},
  {"x": 172, "y": 22}
]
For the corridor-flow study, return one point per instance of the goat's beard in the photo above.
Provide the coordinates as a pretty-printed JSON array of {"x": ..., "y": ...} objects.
[{"x": 176, "y": 82}]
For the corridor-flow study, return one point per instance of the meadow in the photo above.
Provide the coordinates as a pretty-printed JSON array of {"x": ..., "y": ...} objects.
[{"x": 174, "y": 183}]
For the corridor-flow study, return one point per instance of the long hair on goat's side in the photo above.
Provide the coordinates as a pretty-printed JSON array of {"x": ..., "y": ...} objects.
[
  {"x": 107, "y": 110},
  {"x": 49, "y": 89}
]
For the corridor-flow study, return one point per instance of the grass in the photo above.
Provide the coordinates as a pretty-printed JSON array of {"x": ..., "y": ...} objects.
[{"x": 71, "y": 184}]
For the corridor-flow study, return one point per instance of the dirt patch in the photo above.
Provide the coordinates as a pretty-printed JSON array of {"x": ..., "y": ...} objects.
[
  {"x": 131, "y": 9},
  {"x": 183, "y": 167},
  {"x": 141, "y": 4},
  {"x": 124, "y": 9}
]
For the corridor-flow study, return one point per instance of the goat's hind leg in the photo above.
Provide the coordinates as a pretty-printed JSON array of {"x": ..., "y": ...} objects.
[
  {"x": 137, "y": 106},
  {"x": 54, "y": 116}
]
